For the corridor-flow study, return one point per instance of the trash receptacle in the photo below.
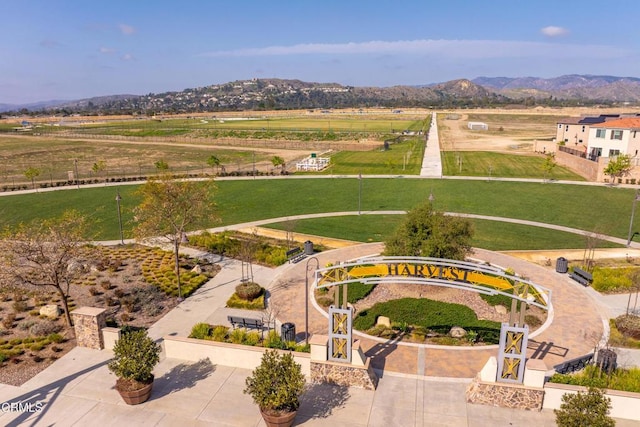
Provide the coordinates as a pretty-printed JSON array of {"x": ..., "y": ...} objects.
[
  {"x": 288, "y": 332},
  {"x": 308, "y": 247},
  {"x": 562, "y": 265}
]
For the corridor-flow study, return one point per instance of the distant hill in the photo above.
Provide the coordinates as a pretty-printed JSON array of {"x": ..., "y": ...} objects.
[
  {"x": 269, "y": 94},
  {"x": 572, "y": 86}
]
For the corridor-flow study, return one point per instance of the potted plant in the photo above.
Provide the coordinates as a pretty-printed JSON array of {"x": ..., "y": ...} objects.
[
  {"x": 276, "y": 386},
  {"x": 135, "y": 356}
]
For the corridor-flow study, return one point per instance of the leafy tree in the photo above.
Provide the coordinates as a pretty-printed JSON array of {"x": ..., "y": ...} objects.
[
  {"x": 279, "y": 161},
  {"x": 618, "y": 167},
  {"x": 213, "y": 161},
  {"x": 99, "y": 166},
  {"x": 549, "y": 164},
  {"x": 161, "y": 165},
  {"x": 171, "y": 207},
  {"x": 32, "y": 173},
  {"x": 428, "y": 233},
  {"x": 44, "y": 254},
  {"x": 585, "y": 409}
]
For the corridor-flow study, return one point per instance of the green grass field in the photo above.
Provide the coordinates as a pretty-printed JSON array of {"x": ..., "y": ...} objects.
[
  {"x": 491, "y": 235},
  {"x": 404, "y": 158},
  {"x": 486, "y": 163},
  {"x": 605, "y": 210}
]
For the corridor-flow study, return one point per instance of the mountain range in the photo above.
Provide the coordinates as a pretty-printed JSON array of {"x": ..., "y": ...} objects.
[{"x": 266, "y": 94}]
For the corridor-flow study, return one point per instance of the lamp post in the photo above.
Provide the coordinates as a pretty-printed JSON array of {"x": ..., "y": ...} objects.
[
  {"x": 75, "y": 167},
  {"x": 359, "y": 192},
  {"x": 431, "y": 197},
  {"x": 306, "y": 297},
  {"x": 118, "y": 199},
  {"x": 633, "y": 211}
]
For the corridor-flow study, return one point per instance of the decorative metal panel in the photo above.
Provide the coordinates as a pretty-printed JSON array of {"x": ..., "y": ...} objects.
[
  {"x": 340, "y": 334},
  {"x": 512, "y": 353}
]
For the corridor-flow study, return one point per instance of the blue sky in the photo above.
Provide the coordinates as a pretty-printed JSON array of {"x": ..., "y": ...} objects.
[{"x": 54, "y": 49}]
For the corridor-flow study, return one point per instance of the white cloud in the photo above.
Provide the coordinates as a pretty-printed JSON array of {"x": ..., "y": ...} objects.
[
  {"x": 481, "y": 49},
  {"x": 107, "y": 50},
  {"x": 552, "y": 31},
  {"x": 127, "y": 30},
  {"x": 127, "y": 57}
]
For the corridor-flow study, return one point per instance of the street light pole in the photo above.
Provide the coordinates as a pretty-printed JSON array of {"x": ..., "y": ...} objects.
[
  {"x": 306, "y": 297},
  {"x": 118, "y": 199},
  {"x": 359, "y": 192},
  {"x": 633, "y": 212}
]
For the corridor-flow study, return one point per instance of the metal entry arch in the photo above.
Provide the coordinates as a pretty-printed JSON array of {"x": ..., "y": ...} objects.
[{"x": 463, "y": 275}]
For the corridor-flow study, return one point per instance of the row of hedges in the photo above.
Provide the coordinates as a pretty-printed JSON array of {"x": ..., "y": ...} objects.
[
  {"x": 593, "y": 376},
  {"x": 437, "y": 316},
  {"x": 221, "y": 333}
]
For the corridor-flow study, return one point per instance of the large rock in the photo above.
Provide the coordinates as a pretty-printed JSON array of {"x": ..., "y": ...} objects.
[
  {"x": 384, "y": 321},
  {"x": 50, "y": 310},
  {"x": 197, "y": 269},
  {"x": 501, "y": 309},
  {"x": 457, "y": 332}
]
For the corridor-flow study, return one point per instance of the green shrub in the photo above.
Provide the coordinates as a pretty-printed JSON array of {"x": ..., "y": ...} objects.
[
  {"x": 220, "y": 333},
  {"x": 434, "y": 315},
  {"x": 36, "y": 347},
  {"x": 324, "y": 301},
  {"x": 358, "y": 291},
  {"x": 236, "y": 302},
  {"x": 135, "y": 356},
  {"x": 3, "y": 356},
  {"x": 200, "y": 331},
  {"x": 238, "y": 336},
  {"x": 249, "y": 291},
  {"x": 252, "y": 338},
  {"x": 273, "y": 340},
  {"x": 629, "y": 325},
  {"x": 532, "y": 321},
  {"x": 497, "y": 299},
  {"x": 56, "y": 338},
  {"x": 584, "y": 409},
  {"x": 612, "y": 279},
  {"x": 593, "y": 376}
]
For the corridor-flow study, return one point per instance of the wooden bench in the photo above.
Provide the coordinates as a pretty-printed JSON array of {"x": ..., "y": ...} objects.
[
  {"x": 295, "y": 255},
  {"x": 583, "y": 277},
  {"x": 245, "y": 322}
]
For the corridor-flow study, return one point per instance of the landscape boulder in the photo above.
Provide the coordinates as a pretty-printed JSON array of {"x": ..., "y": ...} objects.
[
  {"x": 384, "y": 321},
  {"x": 501, "y": 309},
  {"x": 457, "y": 332},
  {"x": 50, "y": 310}
]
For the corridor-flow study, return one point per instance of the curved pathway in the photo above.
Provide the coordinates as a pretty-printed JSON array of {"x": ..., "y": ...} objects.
[{"x": 576, "y": 329}]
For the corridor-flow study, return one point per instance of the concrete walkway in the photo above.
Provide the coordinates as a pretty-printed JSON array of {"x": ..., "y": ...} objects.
[
  {"x": 432, "y": 163},
  {"x": 77, "y": 390}
]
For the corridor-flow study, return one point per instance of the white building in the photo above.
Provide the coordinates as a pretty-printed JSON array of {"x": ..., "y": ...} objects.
[{"x": 477, "y": 126}]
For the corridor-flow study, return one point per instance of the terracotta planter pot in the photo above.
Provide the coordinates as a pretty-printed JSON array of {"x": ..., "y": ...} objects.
[
  {"x": 284, "y": 419},
  {"x": 135, "y": 397}
]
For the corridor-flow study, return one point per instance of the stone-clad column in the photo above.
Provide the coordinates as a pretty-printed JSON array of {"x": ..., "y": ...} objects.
[{"x": 87, "y": 323}]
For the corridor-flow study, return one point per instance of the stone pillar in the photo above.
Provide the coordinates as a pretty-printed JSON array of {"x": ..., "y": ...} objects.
[
  {"x": 318, "y": 345},
  {"x": 87, "y": 323}
]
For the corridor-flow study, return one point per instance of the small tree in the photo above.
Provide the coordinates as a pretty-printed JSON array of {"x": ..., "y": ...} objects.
[
  {"x": 618, "y": 167},
  {"x": 279, "y": 161},
  {"x": 170, "y": 207},
  {"x": 32, "y": 173},
  {"x": 161, "y": 165},
  {"x": 585, "y": 409},
  {"x": 428, "y": 233},
  {"x": 44, "y": 254},
  {"x": 548, "y": 165},
  {"x": 99, "y": 166},
  {"x": 213, "y": 161}
]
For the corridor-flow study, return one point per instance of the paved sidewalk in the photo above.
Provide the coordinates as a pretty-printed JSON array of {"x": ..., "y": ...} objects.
[{"x": 432, "y": 162}]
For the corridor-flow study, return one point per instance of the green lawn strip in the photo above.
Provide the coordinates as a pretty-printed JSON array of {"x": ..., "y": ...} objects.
[
  {"x": 592, "y": 208},
  {"x": 435, "y": 315},
  {"x": 486, "y": 163},
  {"x": 491, "y": 235},
  {"x": 404, "y": 158}
]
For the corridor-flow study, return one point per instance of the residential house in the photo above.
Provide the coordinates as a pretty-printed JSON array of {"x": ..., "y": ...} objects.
[{"x": 614, "y": 137}]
